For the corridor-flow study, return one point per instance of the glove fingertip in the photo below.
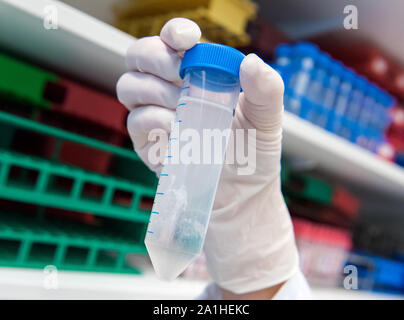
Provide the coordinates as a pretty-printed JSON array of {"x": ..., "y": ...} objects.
[
  {"x": 180, "y": 34},
  {"x": 260, "y": 82},
  {"x": 123, "y": 91}
]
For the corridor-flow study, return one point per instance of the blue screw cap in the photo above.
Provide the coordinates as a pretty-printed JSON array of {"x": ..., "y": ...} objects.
[{"x": 214, "y": 56}]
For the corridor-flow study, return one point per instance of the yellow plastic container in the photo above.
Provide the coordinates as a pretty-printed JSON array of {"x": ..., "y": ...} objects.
[{"x": 222, "y": 21}]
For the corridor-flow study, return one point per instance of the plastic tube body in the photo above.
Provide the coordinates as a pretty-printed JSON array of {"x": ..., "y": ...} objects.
[{"x": 191, "y": 170}]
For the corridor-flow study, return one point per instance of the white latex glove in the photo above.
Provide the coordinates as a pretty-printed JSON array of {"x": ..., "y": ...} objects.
[{"x": 249, "y": 244}]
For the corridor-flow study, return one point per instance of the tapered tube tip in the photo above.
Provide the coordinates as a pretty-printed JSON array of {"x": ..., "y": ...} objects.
[{"x": 168, "y": 264}]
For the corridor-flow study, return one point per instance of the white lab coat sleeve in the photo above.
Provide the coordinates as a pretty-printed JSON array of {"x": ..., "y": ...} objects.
[{"x": 296, "y": 288}]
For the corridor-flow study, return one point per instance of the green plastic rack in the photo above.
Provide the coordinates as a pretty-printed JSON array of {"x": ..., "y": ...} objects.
[
  {"x": 35, "y": 184},
  {"x": 285, "y": 172},
  {"x": 6, "y": 135},
  {"x": 11, "y": 120},
  {"x": 307, "y": 187},
  {"x": 127, "y": 163},
  {"x": 24, "y": 82},
  {"x": 24, "y": 191},
  {"x": 35, "y": 243}
]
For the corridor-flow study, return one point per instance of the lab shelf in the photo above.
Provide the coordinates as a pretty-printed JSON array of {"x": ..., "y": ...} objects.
[
  {"x": 81, "y": 46},
  {"x": 44, "y": 182},
  {"x": 106, "y": 47},
  {"x": 30, "y": 242},
  {"x": 341, "y": 158},
  {"x": 18, "y": 283}
]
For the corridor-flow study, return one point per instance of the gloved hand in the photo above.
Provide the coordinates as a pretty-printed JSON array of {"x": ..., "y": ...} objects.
[{"x": 249, "y": 244}]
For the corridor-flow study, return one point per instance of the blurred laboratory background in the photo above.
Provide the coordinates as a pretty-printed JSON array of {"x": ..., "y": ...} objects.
[{"x": 75, "y": 198}]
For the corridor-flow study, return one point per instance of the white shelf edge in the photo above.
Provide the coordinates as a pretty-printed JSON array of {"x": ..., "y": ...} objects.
[
  {"x": 95, "y": 52},
  {"x": 341, "y": 157},
  {"x": 81, "y": 45},
  {"x": 20, "y": 283}
]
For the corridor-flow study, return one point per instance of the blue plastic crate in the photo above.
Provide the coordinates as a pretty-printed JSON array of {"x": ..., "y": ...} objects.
[
  {"x": 330, "y": 95},
  {"x": 377, "y": 273}
]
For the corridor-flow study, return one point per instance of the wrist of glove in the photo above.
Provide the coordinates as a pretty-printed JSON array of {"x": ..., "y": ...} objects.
[{"x": 249, "y": 244}]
